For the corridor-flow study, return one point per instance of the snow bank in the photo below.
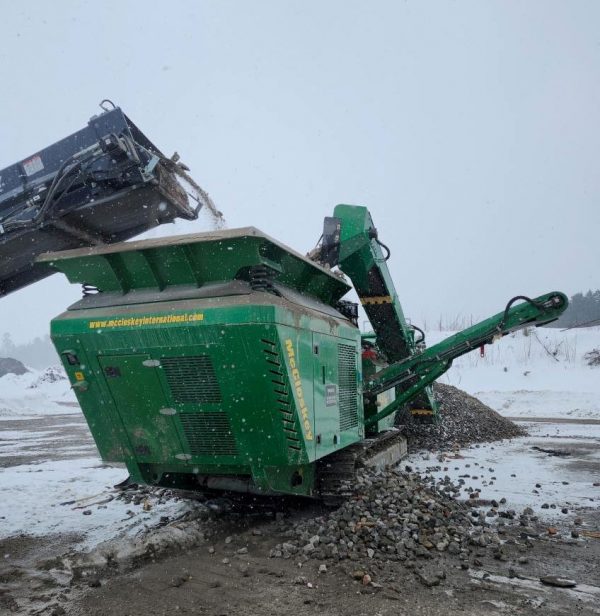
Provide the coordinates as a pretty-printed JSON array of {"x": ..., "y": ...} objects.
[{"x": 38, "y": 392}]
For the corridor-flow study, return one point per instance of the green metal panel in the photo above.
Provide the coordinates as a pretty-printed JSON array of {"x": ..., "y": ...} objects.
[
  {"x": 336, "y": 392},
  {"x": 196, "y": 260},
  {"x": 251, "y": 412},
  {"x": 139, "y": 399}
]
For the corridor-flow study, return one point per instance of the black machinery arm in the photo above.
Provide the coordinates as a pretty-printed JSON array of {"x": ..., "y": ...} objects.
[{"x": 103, "y": 184}]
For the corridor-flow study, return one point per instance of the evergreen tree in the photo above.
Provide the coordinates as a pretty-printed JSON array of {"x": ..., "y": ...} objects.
[{"x": 584, "y": 309}]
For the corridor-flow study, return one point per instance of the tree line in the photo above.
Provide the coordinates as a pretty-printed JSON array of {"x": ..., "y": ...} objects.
[
  {"x": 583, "y": 310},
  {"x": 37, "y": 353}
]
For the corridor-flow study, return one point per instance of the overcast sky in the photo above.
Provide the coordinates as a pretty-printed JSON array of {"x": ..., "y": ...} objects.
[{"x": 469, "y": 129}]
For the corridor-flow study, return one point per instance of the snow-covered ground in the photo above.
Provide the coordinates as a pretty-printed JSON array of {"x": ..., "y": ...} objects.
[
  {"x": 521, "y": 472},
  {"x": 50, "y": 473},
  {"x": 62, "y": 496},
  {"x": 542, "y": 375}
]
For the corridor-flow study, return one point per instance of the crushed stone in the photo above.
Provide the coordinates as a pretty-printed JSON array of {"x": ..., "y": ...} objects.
[
  {"x": 394, "y": 515},
  {"x": 465, "y": 420}
]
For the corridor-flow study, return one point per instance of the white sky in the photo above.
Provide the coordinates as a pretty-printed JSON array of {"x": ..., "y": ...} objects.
[{"x": 469, "y": 129}]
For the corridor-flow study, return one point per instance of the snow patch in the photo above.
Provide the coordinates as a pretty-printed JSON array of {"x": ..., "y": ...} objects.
[{"x": 38, "y": 392}]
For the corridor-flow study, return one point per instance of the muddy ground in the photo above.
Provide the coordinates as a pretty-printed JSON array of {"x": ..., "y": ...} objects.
[
  {"x": 216, "y": 579},
  {"x": 229, "y": 572},
  {"x": 229, "y": 583}
]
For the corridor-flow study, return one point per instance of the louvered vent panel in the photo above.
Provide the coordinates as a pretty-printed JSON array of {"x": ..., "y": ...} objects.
[
  {"x": 208, "y": 433},
  {"x": 348, "y": 402},
  {"x": 282, "y": 395},
  {"x": 192, "y": 379}
]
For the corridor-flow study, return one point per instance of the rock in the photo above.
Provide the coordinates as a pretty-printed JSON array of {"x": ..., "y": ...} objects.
[
  {"x": 8, "y": 365},
  {"x": 290, "y": 548},
  {"x": 308, "y": 548},
  {"x": 242, "y": 551},
  {"x": 358, "y": 574},
  {"x": 366, "y": 580},
  {"x": 300, "y": 580},
  {"x": 561, "y": 582},
  {"x": 94, "y": 582},
  {"x": 87, "y": 512},
  {"x": 370, "y": 552},
  {"x": 228, "y": 540},
  {"x": 428, "y": 579},
  {"x": 323, "y": 568},
  {"x": 575, "y": 534},
  {"x": 178, "y": 581}
]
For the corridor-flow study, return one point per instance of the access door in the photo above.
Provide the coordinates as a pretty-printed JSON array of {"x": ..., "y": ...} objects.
[{"x": 140, "y": 401}]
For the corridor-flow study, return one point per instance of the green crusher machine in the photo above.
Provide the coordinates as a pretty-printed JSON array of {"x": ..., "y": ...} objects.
[{"x": 227, "y": 361}]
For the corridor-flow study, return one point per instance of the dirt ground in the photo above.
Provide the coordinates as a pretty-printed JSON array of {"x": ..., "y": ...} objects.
[
  {"x": 227, "y": 582},
  {"x": 230, "y": 571}
]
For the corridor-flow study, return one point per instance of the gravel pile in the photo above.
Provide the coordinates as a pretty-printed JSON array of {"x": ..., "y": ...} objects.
[
  {"x": 53, "y": 374},
  {"x": 593, "y": 357},
  {"x": 393, "y": 515},
  {"x": 465, "y": 420}
]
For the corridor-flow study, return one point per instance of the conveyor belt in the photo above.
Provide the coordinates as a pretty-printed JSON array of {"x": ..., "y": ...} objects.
[{"x": 103, "y": 184}]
